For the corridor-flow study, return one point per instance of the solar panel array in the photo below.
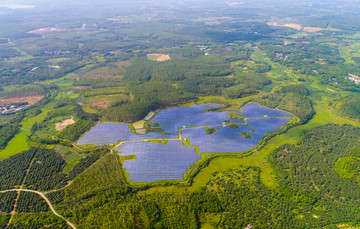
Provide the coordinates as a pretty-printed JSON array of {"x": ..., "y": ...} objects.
[
  {"x": 174, "y": 118},
  {"x": 171, "y": 120},
  {"x": 230, "y": 140},
  {"x": 156, "y": 161},
  {"x": 110, "y": 133},
  {"x": 170, "y": 161},
  {"x": 252, "y": 110}
]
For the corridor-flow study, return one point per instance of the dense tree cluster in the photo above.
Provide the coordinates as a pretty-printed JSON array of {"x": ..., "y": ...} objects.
[
  {"x": 206, "y": 85},
  {"x": 248, "y": 201},
  {"x": 144, "y": 70},
  {"x": 45, "y": 172},
  {"x": 351, "y": 107},
  {"x": 44, "y": 169},
  {"x": 147, "y": 96},
  {"x": 4, "y": 219},
  {"x": 185, "y": 52},
  {"x": 7, "y": 201},
  {"x": 83, "y": 164},
  {"x": 292, "y": 98},
  {"x": 37, "y": 220},
  {"x": 297, "y": 89},
  {"x": 13, "y": 169},
  {"x": 56, "y": 196},
  {"x": 306, "y": 172},
  {"x": 31, "y": 202},
  {"x": 246, "y": 84},
  {"x": 231, "y": 52}
]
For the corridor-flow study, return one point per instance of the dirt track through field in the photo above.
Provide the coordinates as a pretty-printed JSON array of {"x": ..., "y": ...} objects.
[{"x": 46, "y": 200}]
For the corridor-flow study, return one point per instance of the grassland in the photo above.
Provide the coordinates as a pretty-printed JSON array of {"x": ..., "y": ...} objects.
[
  {"x": 139, "y": 124},
  {"x": 19, "y": 142},
  {"x": 72, "y": 157},
  {"x": 349, "y": 51}
]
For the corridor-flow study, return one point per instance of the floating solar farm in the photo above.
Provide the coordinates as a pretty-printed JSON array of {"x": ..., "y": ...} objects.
[{"x": 159, "y": 161}]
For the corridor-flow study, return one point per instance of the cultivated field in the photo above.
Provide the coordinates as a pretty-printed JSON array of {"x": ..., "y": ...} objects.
[{"x": 29, "y": 99}]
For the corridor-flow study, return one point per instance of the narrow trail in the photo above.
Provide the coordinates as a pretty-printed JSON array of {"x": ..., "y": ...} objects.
[
  {"x": 54, "y": 190},
  {"x": 18, "y": 193},
  {"x": 75, "y": 146},
  {"x": 21, "y": 189},
  {"x": 47, "y": 201}
]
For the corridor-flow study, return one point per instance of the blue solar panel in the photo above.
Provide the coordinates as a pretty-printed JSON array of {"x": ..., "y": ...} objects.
[
  {"x": 252, "y": 110},
  {"x": 229, "y": 140},
  {"x": 174, "y": 118},
  {"x": 169, "y": 161},
  {"x": 156, "y": 161},
  {"x": 110, "y": 133}
]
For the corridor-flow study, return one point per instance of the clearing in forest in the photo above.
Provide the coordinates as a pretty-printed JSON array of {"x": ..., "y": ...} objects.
[
  {"x": 101, "y": 104},
  {"x": 298, "y": 27},
  {"x": 29, "y": 99},
  {"x": 65, "y": 123},
  {"x": 312, "y": 29},
  {"x": 158, "y": 57}
]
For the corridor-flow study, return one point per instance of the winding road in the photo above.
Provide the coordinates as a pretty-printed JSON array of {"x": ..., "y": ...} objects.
[{"x": 47, "y": 201}]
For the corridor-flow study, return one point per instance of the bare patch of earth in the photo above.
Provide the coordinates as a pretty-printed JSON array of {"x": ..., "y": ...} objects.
[
  {"x": 140, "y": 131},
  {"x": 294, "y": 26},
  {"x": 47, "y": 30},
  {"x": 298, "y": 27},
  {"x": 30, "y": 99},
  {"x": 65, "y": 123},
  {"x": 80, "y": 88},
  {"x": 101, "y": 104},
  {"x": 312, "y": 29},
  {"x": 158, "y": 57}
]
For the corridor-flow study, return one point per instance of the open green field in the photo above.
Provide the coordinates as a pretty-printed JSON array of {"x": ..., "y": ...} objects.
[
  {"x": 72, "y": 157},
  {"x": 19, "y": 142},
  {"x": 349, "y": 51}
]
